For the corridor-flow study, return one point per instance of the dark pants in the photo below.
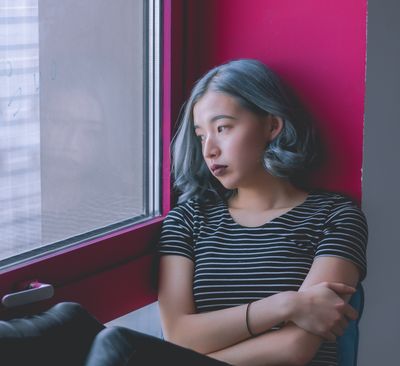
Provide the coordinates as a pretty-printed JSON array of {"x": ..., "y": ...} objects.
[{"x": 67, "y": 335}]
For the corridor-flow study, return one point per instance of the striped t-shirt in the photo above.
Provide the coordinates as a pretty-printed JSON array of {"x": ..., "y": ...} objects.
[{"x": 234, "y": 264}]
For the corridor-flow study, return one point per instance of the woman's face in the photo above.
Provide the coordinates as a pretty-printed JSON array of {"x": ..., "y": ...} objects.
[{"x": 233, "y": 139}]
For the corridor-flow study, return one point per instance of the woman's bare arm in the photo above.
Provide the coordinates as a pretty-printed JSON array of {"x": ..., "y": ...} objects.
[
  {"x": 293, "y": 345},
  {"x": 207, "y": 332},
  {"x": 218, "y": 330}
]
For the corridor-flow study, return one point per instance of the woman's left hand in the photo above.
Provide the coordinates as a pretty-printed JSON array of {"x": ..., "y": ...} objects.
[{"x": 321, "y": 310}]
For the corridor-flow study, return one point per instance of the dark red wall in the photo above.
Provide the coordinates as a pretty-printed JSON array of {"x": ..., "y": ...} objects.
[{"x": 317, "y": 47}]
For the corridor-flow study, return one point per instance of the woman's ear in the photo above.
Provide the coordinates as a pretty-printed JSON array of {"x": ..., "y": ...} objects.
[{"x": 275, "y": 126}]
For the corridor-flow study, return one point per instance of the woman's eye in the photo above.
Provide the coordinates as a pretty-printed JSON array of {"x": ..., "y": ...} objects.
[{"x": 222, "y": 128}]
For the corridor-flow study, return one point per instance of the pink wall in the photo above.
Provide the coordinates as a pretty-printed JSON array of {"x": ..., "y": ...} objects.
[{"x": 318, "y": 48}]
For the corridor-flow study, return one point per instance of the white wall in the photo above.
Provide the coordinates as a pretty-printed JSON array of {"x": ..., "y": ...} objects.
[{"x": 380, "y": 325}]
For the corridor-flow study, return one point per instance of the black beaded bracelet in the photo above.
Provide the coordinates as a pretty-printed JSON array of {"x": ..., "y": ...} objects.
[{"x": 247, "y": 320}]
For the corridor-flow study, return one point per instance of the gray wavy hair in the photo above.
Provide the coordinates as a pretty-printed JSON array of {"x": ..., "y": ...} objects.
[{"x": 259, "y": 90}]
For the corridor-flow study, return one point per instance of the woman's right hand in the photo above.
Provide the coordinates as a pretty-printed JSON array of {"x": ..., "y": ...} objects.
[{"x": 321, "y": 310}]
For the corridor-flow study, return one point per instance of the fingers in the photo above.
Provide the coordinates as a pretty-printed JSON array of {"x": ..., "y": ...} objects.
[
  {"x": 340, "y": 326},
  {"x": 350, "y": 312},
  {"x": 343, "y": 323},
  {"x": 338, "y": 331},
  {"x": 337, "y": 327},
  {"x": 347, "y": 311},
  {"x": 340, "y": 288}
]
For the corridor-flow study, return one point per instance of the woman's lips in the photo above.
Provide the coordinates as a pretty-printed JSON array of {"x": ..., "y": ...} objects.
[{"x": 218, "y": 169}]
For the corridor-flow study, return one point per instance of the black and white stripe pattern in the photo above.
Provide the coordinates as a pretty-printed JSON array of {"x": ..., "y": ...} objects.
[{"x": 235, "y": 265}]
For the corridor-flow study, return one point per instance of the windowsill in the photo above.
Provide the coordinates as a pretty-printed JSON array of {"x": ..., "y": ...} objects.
[{"x": 145, "y": 320}]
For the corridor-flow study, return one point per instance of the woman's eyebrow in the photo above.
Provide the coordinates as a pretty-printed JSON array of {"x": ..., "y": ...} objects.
[{"x": 216, "y": 118}]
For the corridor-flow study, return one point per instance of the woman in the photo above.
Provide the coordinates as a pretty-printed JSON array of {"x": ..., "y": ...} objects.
[{"x": 248, "y": 250}]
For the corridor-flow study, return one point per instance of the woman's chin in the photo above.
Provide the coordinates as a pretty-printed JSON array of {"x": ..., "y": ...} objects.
[{"x": 228, "y": 184}]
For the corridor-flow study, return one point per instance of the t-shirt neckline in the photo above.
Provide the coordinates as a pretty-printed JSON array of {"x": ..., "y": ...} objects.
[{"x": 277, "y": 218}]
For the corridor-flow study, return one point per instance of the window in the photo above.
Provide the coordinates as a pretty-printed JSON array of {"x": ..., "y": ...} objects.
[{"x": 79, "y": 121}]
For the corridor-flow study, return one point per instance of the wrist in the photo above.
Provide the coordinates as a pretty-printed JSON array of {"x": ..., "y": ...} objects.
[
  {"x": 285, "y": 305},
  {"x": 290, "y": 303},
  {"x": 281, "y": 307}
]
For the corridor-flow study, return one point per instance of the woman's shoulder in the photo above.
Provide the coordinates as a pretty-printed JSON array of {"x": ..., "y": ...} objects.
[
  {"x": 336, "y": 203},
  {"x": 331, "y": 198}
]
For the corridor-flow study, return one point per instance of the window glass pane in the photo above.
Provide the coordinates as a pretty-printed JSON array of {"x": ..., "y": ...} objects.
[{"x": 73, "y": 131}]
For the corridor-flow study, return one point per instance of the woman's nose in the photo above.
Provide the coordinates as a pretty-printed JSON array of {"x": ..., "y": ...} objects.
[{"x": 210, "y": 148}]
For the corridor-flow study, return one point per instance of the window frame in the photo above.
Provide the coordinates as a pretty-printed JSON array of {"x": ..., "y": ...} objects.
[{"x": 113, "y": 274}]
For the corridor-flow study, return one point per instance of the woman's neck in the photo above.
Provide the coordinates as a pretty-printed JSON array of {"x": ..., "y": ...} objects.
[{"x": 273, "y": 193}]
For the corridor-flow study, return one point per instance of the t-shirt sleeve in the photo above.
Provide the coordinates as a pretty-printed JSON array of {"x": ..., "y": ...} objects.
[
  {"x": 177, "y": 233},
  {"x": 345, "y": 235}
]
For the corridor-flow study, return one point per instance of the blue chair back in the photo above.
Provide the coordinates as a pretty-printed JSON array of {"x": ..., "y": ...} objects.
[{"x": 348, "y": 343}]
